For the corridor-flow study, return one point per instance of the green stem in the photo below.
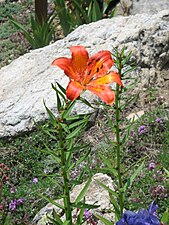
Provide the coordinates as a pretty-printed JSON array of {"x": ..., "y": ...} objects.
[
  {"x": 118, "y": 147},
  {"x": 66, "y": 198}
]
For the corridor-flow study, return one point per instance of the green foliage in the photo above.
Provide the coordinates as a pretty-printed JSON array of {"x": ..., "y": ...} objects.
[
  {"x": 6, "y": 30},
  {"x": 12, "y": 43},
  {"x": 9, "y": 9},
  {"x": 25, "y": 161},
  {"x": 153, "y": 144},
  {"x": 76, "y": 13},
  {"x": 41, "y": 34}
]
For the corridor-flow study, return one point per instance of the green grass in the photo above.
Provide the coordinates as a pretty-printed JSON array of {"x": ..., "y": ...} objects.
[
  {"x": 154, "y": 145},
  {"x": 12, "y": 43},
  {"x": 25, "y": 160}
]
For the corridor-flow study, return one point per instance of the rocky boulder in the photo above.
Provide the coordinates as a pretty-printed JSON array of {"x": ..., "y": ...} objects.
[
  {"x": 95, "y": 195},
  {"x": 27, "y": 80},
  {"x": 147, "y": 6}
]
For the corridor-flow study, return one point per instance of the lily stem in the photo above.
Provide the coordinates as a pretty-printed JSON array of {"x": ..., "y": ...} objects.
[{"x": 66, "y": 198}]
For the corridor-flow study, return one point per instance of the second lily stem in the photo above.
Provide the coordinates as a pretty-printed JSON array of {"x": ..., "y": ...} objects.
[{"x": 118, "y": 146}]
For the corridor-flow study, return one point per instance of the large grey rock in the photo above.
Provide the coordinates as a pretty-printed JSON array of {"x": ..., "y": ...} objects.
[
  {"x": 94, "y": 195},
  {"x": 27, "y": 80},
  {"x": 133, "y": 7},
  {"x": 147, "y": 6}
]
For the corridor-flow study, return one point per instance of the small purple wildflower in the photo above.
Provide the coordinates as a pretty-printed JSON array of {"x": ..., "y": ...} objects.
[
  {"x": 151, "y": 166},
  {"x": 159, "y": 120},
  {"x": 159, "y": 172},
  {"x": 16, "y": 202},
  {"x": 87, "y": 214},
  {"x": 35, "y": 180},
  {"x": 20, "y": 201},
  {"x": 13, "y": 204},
  {"x": 142, "y": 129}
]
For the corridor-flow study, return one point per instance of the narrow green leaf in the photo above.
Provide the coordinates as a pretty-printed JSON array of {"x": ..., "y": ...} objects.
[
  {"x": 65, "y": 127},
  {"x": 165, "y": 217},
  {"x": 61, "y": 88},
  {"x": 125, "y": 138},
  {"x": 116, "y": 206},
  {"x": 67, "y": 112},
  {"x": 23, "y": 30},
  {"x": 82, "y": 205},
  {"x": 57, "y": 217},
  {"x": 86, "y": 102},
  {"x": 51, "y": 115},
  {"x": 81, "y": 159},
  {"x": 131, "y": 179},
  {"x": 167, "y": 172},
  {"x": 104, "y": 220},
  {"x": 79, "y": 122},
  {"x": 123, "y": 51},
  {"x": 66, "y": 222},
  {"x": 109, "y": 165},
  {"x": 52, "y": 201},
  {"x": 54, "y": 221},
  {"x": 80, "y": 216},
  {"x": 51, "y": 152},
  {"x": 75, "y": 132},
  {"x": 48, "y": 133},
  {"x": 80, "y": 9},
  {"x": 129, "y": 70},
  {"x": 129, "y": 101},
  {"x": 96, "y": 14},
  {"x": 107, "y": 188},
  {"x": 83, "y": 191},
  {"x": 133, "y": 165},
  {"x": 59, "y": 92}
]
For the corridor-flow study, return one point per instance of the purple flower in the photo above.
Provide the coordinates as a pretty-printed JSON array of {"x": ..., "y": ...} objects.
[
  {"x": 20, "y": 201},
  {"x": 35, "y": 180},
  {"x": 87, "y": 214},
  {"x": 142, "y": 217},
  {"x": 158, "y": 120},
  {"x": 142, "y": 129},
  {"x": 151, "y": 166},
  {"x": 159, "y": 172},
  {"x": 16, "y": 202},
  {"x": 13, "y": 204}
]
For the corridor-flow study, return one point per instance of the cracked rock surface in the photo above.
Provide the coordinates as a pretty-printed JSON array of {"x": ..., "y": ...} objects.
[{"x": 27, "y": 80}]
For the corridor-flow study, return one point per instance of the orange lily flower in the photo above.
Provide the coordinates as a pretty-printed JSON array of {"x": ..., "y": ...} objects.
[{"x": 89, "y": 73}]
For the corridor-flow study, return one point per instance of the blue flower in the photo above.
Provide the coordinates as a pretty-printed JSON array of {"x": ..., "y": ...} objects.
[{"x": 142, "y": 217}]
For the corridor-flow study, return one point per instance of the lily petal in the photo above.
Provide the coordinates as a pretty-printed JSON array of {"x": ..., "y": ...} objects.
[
  {"x": 107, "y": 79},
  {"x": 98, "y": 65},
  {"x": 79, "y": 61},
  {"x": 66, "y": 65},
  {"x": 104, "y": 92},
  {"x": 74, "y": 90}
]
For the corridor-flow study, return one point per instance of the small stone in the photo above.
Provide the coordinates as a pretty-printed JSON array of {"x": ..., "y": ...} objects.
[{"x": 135, "y": 116}]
